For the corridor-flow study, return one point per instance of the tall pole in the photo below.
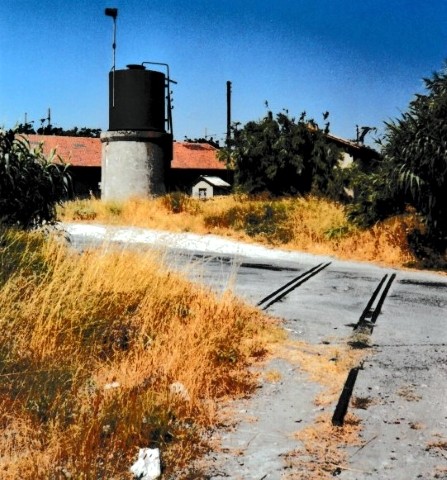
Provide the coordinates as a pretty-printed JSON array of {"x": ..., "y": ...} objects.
[
  {"x": 228, "y": 112},
  {"x": 114, "y": 60},
  {"x": 113, "y": 12}
]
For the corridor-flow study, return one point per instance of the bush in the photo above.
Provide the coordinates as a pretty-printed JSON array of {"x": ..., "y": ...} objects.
[
  {"x": 31, "y": 185},
  {"x": 282, "y": 156},
  {"x": 416, "y": 147},
  {"x": 374, "y": 199}
]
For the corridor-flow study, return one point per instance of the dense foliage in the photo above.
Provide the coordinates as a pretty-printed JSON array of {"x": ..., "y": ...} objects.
[
  {"x": 416, "y": 145},
  {"x": 49, "y": 129},
  {"x": 375, "y": 195},
  {"x": 282, "y": 156},
  {"x": 414, "y": 169},
  {"x": 30, "y": 184}
]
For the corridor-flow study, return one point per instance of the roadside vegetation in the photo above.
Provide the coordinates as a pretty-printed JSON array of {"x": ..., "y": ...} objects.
[
  {"x": 103, "y": 353},
  {"x": 413, "y": 172},
  {"x": 309, "y": 224}
]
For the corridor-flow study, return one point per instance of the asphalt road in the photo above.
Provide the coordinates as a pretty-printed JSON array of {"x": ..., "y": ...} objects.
[{"x": 403, "y": 381}]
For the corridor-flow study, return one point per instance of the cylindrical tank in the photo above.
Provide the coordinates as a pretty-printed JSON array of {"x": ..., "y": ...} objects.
[
  {"x": 134, "y": 164},
  {"x": 137, "y": 99}
]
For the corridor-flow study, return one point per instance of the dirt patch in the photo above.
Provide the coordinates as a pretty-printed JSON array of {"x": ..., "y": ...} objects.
[
  {"x": 322, "y": 454},
  {"x": 409, "y": 394}
]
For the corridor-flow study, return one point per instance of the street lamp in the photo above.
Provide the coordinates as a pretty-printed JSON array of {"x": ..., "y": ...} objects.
[{"x": 113, "y": 12}]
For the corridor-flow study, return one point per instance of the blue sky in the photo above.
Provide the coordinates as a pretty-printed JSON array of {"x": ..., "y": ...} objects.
[{"x": 361, "y": 60}]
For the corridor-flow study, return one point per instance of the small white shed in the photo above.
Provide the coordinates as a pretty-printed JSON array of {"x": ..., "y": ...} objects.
[{"x": 208, "y": 187}]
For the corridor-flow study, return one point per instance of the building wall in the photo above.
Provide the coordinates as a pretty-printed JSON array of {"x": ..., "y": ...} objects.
[
  {"x": 202, "y": 189},
  {"x": 85, "y": 181},
  {"x": 346, "y": 160}
]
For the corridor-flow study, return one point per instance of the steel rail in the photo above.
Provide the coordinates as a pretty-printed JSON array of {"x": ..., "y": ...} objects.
[
  {"x": 370, "y": 314},
  {"x": 366, "y": 323},
  {"x": 281, "y": 292}
]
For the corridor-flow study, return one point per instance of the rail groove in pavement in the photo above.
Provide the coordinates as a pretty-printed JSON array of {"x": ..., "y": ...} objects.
[
  {"x": 365, "y": 325},
  {"x": 281, "y": 292}
]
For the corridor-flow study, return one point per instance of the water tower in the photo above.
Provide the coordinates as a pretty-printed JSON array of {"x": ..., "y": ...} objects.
[{"x": 137, "y": 148}]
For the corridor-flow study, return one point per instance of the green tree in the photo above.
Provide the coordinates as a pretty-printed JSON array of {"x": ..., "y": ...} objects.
[
  {"x": 31, "y": 185},
  {"x": 413, "y": 172},
  {"x": 282, "y": 156},
  {"x": 416, "y": 146}
]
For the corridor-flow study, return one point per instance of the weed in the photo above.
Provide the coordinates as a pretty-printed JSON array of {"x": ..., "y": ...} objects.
[
  {"x": 273, "y": 376},
  {"x": 337, "y": 232},
  {"x": 409, "y": 394},
  {"x": 84, "y": 212},
  {"x": 305, "y": 223},
  {"x": 416, "y": 426},
  {"x": 322, "y": 454},
  {"x": 360, "y": 339},
  {"x": 178, "y": 202},
  {"x": 20, "y": 252},
  {"x": 439, "y": 444},
  {"x": 116, "y": 209}
]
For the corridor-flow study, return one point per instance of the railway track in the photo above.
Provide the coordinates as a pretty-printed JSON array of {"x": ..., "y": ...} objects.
[
  {"x": 289, "y": 287},
  {"x": 365, "y": 325}
]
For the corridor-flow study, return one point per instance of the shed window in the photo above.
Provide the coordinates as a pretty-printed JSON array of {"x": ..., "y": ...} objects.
[{"x": 202, "y": 192}]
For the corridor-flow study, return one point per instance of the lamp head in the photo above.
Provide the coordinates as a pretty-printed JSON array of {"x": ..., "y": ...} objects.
[{"x": 111, "y": 12}]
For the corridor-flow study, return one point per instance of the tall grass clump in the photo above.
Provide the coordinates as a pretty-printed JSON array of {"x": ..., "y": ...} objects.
[{"x": 104, "y": 353}]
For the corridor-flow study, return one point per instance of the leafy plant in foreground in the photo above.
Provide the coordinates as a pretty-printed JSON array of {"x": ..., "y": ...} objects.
[{"x": 30, "y": 184}]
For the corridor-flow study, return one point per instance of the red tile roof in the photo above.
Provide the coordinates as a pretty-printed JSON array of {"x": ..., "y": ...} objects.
[
  {"x": 86, "y": 152},
  {"x": 77, "y": 151},
  {"x": 196, "y": 155}
]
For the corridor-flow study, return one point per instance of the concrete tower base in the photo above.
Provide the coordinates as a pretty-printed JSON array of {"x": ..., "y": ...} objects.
[{"x": 134, "y": 164}]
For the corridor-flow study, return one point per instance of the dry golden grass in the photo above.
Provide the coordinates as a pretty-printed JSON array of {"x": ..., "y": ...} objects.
[
  {"x": 102, "y": 353},
  {"x": 323, "y": 453},
  {"x": 307, "y": 224}
]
